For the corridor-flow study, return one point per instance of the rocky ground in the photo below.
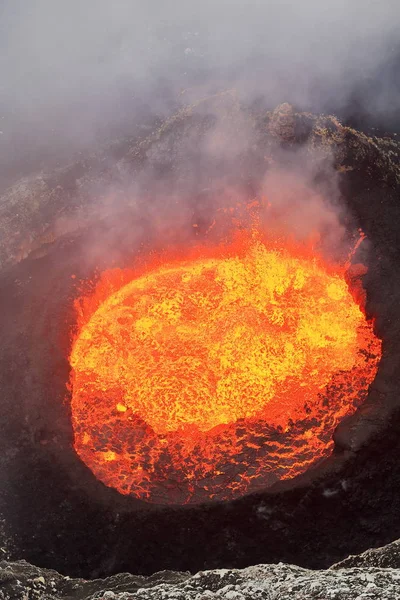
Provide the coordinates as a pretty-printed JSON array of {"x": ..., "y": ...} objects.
[{"x": 373, "y": 575}]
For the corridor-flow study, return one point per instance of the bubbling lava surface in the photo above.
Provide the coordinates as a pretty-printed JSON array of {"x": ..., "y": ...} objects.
[{"x": 218, "y": 372}]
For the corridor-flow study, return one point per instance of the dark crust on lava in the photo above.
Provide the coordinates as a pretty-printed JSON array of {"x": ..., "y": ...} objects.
[{"x": 57, "y": 514}]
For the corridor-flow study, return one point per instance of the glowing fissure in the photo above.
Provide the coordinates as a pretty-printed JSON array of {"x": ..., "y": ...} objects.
[{"x": 219, "y": 374}]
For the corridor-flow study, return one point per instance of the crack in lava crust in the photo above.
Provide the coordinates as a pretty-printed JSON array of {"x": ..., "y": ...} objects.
[{"x": 207, "y": 377}]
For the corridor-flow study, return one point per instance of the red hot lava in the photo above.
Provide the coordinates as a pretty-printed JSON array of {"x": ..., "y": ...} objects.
[{"x": 217, "y": 372}]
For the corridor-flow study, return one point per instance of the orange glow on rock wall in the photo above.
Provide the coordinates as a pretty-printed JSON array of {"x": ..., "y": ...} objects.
[{"x": 216, "y": 373}]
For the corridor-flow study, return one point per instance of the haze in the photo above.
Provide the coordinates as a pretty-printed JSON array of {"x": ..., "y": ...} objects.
[{"x": 76, "y": 74}]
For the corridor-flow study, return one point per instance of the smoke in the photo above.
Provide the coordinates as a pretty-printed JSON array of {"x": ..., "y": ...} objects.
[
  {"x": 296, "y": 206},
  {"x": 205, "y": 176},
  {"x": 73, "y": 74}
]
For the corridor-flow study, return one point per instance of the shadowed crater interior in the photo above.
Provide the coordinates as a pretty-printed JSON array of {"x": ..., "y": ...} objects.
[{"x": 60, "y": 230}]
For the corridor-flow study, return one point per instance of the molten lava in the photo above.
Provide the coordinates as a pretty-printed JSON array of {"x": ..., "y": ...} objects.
[{"x": 216, "y": 374}]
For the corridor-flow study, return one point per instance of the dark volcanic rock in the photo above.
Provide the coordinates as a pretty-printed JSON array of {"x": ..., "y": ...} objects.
[
  {"x": 36, "y": 211},
  {"x": 359, "y": 581},
  {"x": 387, "y": 557}
]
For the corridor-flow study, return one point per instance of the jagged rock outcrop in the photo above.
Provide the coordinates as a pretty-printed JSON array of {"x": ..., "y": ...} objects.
[
  {"x": 387, "y": 557},
  {"x": 356, "y": 578},
  {"x": 37, "y": 210}
]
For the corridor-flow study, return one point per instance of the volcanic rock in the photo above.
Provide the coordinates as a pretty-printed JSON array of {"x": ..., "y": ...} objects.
[
  {"x": 367, "y": 576},
  {"x": 37, "y": 210}
]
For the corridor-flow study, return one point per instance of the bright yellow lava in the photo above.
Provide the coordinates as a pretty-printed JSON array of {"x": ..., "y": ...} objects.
[{"x": 202, "y": 344}]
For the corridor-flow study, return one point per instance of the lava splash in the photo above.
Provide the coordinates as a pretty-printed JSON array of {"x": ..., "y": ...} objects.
[{"x": 215, "y": 374}]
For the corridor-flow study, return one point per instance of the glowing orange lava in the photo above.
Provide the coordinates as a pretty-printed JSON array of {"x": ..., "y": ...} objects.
[{"x": 217, "y": 374}]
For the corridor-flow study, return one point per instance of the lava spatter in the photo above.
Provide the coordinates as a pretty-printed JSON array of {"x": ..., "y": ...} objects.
[{"x": 213, "y": 374}]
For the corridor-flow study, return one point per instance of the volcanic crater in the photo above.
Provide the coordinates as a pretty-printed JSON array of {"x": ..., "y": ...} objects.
[{"x": 56, "y": 512}]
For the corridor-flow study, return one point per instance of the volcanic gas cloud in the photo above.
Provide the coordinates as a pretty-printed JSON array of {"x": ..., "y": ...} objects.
[{"x": 217, "y": 372}]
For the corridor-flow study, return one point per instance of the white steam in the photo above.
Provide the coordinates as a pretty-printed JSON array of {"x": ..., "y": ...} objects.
[{"x": 78, "y": 72}]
